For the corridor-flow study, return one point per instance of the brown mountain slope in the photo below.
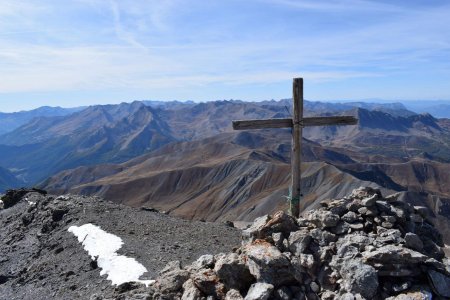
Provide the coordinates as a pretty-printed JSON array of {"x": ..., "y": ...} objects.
[{"x": 236, "y": 176}]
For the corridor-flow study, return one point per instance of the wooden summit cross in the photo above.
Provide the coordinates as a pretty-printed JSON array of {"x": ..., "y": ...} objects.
[{"x": 297, "y": 122}]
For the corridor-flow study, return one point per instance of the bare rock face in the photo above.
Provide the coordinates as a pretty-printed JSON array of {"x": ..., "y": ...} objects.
[{"x": 361, "y": 247}]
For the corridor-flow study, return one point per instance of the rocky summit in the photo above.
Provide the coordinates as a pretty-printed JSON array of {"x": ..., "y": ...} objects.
[{"x": 364, "y": 246}]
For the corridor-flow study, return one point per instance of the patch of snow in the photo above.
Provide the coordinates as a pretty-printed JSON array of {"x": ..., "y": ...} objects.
[
  {"x": 2, "y": 205},
  {"x": 103, "y": 246}
]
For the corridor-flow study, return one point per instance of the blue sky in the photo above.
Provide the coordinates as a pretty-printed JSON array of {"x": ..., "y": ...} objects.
[{"x": 82, "y": 52}]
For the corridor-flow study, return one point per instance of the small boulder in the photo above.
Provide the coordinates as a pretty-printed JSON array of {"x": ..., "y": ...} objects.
[
  {"x": 233, "y": 295},
  {"x": 233, "y": 272},
  {"x": 259, "y": 291},
  {"x": 299, "y": 241},
  {"x": 360, "y": 278},
  {"x": 413, "y": 241},
  {"x": 268, "y": 264},
  {"x": 440, "y": 283}
]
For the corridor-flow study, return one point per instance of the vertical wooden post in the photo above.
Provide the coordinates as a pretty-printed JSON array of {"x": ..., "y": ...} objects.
[{"x": 296, "y": 146}]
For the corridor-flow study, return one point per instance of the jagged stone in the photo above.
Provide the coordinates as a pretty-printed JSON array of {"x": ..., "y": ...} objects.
[
  {"x": 416, "y": 218},
  {"x": 233, "y": 272},
  {"x": 364, "y": 192},
  {"x": 314, "y": 287},
  {"x": 440, "y": 283},
  {"x": 259, "y": 291},
  {"x": 417, "y": 294},
  {"x": 328, "y": 295},
  {"x": 268, "y": 264},
  {"x": 190, "y": 291},
  {"x": 171, "y": 278},
  {"x": 299, "y": 241},
  {"x": 413, "y": 241},
  {"x": 369, "y": 201},
  {"x": 278, "y": 240},
  {"x": 254, "y": 231},
  {"x": 323, "y": 237},
  {"x": 204, "y": 261},
  {"x": 393, "y": 254},
  {"x": 280, "y": 222},
  {"x": 207, "y": 281},
  {"x": 422, "y": 211},
  {"x": 392, "y": 197},
  {"x": 350, "y": 217},
  {"x": 233, "y": 295},
  {"x": 359, "y": 278},
  {"x": 340, "y": 228},
  {"x": 346, "y": 296},
  {"x": 390, "y": 236},
  {"x": 329, "y": 219},
  {"x": 283, "y": 293},
  {"x": 338, "y": 207}
]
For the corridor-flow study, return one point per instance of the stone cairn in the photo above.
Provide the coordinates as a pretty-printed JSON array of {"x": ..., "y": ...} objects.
[{"x": 361, "y": 247}]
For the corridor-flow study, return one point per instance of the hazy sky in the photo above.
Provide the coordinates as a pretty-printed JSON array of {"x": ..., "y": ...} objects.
[{"x": 81, "y": 52}]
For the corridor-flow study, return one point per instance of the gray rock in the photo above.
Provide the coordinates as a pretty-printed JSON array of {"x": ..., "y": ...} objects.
[
  {"x": 338, "y": 207},
  {"x": 340, "y": 228},
  {"x": 283, "y": 293},
  {"x": 278, "y": 239},
  {"x": 392, "y": 254},
  {"x": 416, "y": 218},
  {"x": 233, "y": 272},
  {"x": 350, "y": 217},
  {"x": 413, "y": 241},
  {"x": 190, "y": 291},
  {"x": 299, "y": 241},
  {"x": 387, "y": 225},
  {"x": 171, "y": 278},
  {"x": 369, "y": 201},
  {"x": 233, "y": 295},
  {"x": 360, "y": 278},
  {"x": 413, "y": 295},
  {"x": 254, "y": 231},
  {"x": 422, "y": 210},
  {"x": 328, "y": 295},
  {"x": 357, "y": 226},
  {"x": 346, "y": 296},
  {"x": 268, "y": 264},
  {"x": 364, "y": 192},
  {"x": 314, "y": 287},
  {"x": 393, "y": 197},
  {"x": 347, "y": 250},
  {"x": 207, "y": 281},
  {"x": 281, "y": 222},
  {"x": 259, "y": 291},
  {"x": 204, "y": 261},
  {"x": 440, "y": 283},
  {"x": 323, "y": 237},
  {"x": 329, "y": 219}
]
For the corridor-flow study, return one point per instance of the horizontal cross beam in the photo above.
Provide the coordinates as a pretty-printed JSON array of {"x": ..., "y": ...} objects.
[{"x": 283, "y": 123}]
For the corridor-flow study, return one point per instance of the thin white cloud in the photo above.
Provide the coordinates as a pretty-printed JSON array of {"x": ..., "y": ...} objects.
[{"x": 136, "y": 45}]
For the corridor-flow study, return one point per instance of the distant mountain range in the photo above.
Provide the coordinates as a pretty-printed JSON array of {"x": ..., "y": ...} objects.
[
  {"x": 186, "y": 159},
  {"x": 11, "y": 121}
]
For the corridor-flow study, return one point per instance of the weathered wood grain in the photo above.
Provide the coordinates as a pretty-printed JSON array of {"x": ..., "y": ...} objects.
[
  {"x": 296, "y": 155},
  {"x": 328, "y": 121},
  {"x": 261, "y": 124}
]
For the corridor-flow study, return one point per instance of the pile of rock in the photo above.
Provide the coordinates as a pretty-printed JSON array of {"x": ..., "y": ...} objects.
[{"x": 360, "y": 247}]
